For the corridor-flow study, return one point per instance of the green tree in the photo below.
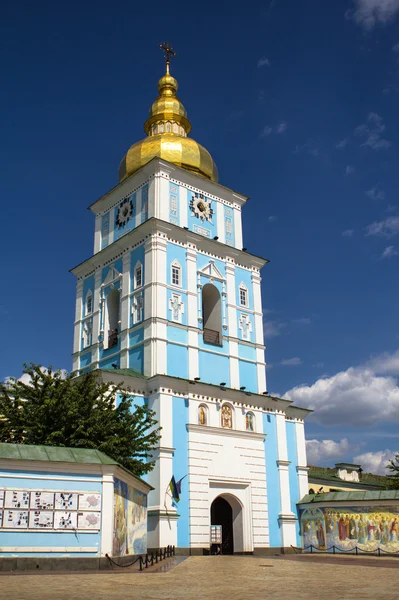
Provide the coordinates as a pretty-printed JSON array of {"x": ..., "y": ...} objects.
[
  {"x": 393, "y": 466},
  {"x": 55, "y": 409}
]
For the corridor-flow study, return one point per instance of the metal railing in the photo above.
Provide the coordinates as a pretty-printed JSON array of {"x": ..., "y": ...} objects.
[
  {"x": 355, "y": 551},
  {"x": 147, "y": 560}
]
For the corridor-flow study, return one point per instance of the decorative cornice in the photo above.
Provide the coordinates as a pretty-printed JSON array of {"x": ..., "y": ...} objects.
[
  {"x": 206, "y": 429},
  {"x": 283, "y": 463}
]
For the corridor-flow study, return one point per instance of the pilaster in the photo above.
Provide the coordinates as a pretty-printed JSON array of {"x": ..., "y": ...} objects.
[
  {"x": 287, "y": 518},
  {"x": 78, "y": 316},
  {"x": 302, "y": 468},
  {"x": 107, "y": 515}
]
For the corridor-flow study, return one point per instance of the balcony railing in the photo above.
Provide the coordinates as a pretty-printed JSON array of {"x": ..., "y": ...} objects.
[
  {"x": 112, "y": 339},
  {"x": 211, "y": 337}
]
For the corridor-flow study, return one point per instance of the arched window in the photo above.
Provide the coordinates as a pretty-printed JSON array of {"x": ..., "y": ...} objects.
[
  {"x": 175, "y": 273},
  {"x": 202, "y": 415},
  {"x": 212, "y": 315},
  {"x": 138, "y": 275},
  {"x": 89, "y": 303},
  {"x": 243, "y": 295},
  {"x": 226, "y": 416},
  {"x": 168, "y": 127},
  {"x": 250, "y": 421},
  {"x": 161, "y": 128},
  {"x": 111, "y": 321}
]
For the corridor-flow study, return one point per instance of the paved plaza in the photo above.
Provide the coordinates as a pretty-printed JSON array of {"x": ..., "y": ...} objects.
[{"x": 222, "y": 577}]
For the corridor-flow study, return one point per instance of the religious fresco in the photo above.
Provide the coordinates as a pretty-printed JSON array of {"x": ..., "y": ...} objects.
[
  {"x": 367, "y": 527},
  {"x": 130, "y": 520}
]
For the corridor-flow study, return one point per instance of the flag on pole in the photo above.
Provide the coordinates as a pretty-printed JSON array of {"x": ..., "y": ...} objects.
[{"x": 174, "y": 489}]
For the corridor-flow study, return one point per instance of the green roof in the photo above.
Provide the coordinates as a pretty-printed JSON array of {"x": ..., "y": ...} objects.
[
  {"x": 350, "y": 496},
  {"x": 55, "y": 454},
  {"x": 329, "y": 474},
  {"x": 125, "y": 373}
]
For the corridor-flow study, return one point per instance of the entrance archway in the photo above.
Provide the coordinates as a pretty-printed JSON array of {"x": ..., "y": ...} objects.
[{"x": 222, "y": 514}]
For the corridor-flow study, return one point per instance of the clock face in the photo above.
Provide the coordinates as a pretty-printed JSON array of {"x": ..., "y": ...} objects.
[
  {"x": 125, "y": 212},
  {"x": 201, "y": 207}
]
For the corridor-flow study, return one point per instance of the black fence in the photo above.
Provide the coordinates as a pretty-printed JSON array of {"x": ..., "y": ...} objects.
[
  {"x": 355, "y": 551},
  {"x": 147, "y": 560}
]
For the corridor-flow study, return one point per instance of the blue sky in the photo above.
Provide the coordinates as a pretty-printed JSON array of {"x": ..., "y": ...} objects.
[{"x": 297, "y": 102}]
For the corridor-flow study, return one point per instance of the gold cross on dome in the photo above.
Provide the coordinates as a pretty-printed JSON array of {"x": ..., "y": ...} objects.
[{"x": 167, "y": 48}]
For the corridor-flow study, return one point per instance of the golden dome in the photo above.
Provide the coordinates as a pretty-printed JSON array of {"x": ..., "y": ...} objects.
[{"x": 167, "y": 128}]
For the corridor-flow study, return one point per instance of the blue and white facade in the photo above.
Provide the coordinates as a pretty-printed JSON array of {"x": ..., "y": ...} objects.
[{"x": 170, "y": 294}]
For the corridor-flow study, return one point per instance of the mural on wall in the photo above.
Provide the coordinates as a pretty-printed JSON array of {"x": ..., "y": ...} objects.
[
  {"x": 367, "y": 527},
  {"x": 130, "y": 520}
]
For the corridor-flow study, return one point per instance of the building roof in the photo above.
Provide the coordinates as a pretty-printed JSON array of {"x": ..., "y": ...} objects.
[
  {"x": 125, "y": 373},
  {"x": 350, "y": 496},
  {"x": 55, "y": 454},
  {"x": 60, "y": 454},
  {"x": 330, "y": 475}
]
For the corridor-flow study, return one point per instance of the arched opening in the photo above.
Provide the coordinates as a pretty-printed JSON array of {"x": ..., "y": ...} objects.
[
  {"x": 212, "y": 315},
  {"x": 222, "y": 514},
  {"x": 111, "y": 320}
]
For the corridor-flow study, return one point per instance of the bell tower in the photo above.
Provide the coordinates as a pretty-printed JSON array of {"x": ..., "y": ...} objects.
[{"x": 170, "y": 304}]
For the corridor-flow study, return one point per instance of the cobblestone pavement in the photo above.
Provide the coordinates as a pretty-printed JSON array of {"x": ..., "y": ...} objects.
[{"x": 219, "y": 578}]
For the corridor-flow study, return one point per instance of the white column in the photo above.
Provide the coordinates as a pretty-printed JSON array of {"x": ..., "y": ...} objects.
[
  {"x": 125, "y": 311},
  {"x": 192, "y": 300},
  {"x": 237, "y": 228},
  {"x": 231, "y": 299},
  {"x": 96, "y": 316},
  {"x": 258, "y": 312},
  {"x": 162, "y": 515},
  {"x": 220, "y": 222},
  {"x": 78, "y": 316},
  {"x": 234, "y": 365},
  {"x": 287, "y": 518},
  {"x": 107, "y": 514},
  {"x": 97, "y": 234},
  {"x": 302, "y": 467},
  {"x": 163, "y": 197},
  {"x": 183, "y": 206}
]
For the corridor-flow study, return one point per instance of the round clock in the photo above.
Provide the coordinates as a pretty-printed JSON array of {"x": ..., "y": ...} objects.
[
  {"x": 125, "y": 212},
  {"x": 201, "y": 207}
]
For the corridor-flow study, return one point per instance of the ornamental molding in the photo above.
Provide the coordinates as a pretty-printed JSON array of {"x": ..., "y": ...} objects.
[
  {"x": 221, "y": 431},
  {"x": 211, "y": 271}
]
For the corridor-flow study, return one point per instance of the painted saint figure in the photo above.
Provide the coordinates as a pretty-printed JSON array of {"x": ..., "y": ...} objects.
[
  {"x": 321, "y": 541},
  {"x": 202, "y": 415},
  {"x": 249, "y": 422},
  {"x": 227, "y": 417}
]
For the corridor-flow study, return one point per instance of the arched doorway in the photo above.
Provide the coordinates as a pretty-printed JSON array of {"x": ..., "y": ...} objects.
[{"x": 222, "y": 514}]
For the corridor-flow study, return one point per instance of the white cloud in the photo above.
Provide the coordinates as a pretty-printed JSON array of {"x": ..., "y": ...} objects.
[
  {"x": 342, "y": 143},
  {"x": 267, "y": 130},
  {"x": 291, "y": 362},
  {"x": 282, "y": 127},
  {"x": 309, "y": 147},
  {"x": 277, "y": 129},
  {"x": 375, "y": 462},
  {"x": 375, "y": 193},
  {"x": 367, "y": 13},
  {"x": 348, "y": 233},
  {"x": 389, "y": 252},
  {"x": 272, "y": 218},
  {"x": 358, "y": 397},
  {"x": 325, "y": 450},
  {"x": 395, "y": 48},
  {"x": 386, "y": 228},
  {"x": 272, "y": 328},
  {"x": 385, "y": 364},
  {"x": 302, "y": 321},
  {"x": 349, "y": 170},
  {"x": 263, "y": 62},
  {"x": 371, "y": 132}
]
